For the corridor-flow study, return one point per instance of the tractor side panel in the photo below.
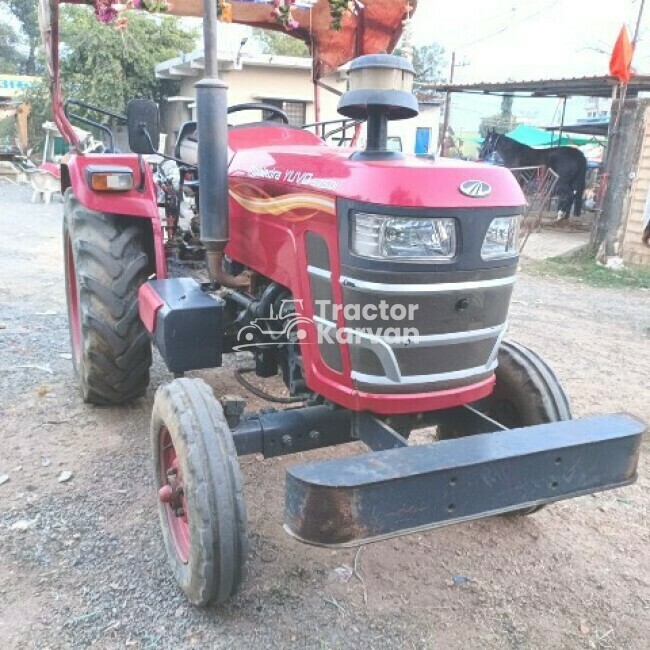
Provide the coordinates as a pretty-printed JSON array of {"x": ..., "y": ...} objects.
[
  {"x": 141, "y": 202},
  {"x": 270, "y": 228},
  {"x": 283, "y": 235}
]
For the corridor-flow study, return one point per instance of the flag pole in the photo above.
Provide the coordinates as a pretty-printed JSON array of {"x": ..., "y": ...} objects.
[
  {"x": 638, "y": 25},
  {"x": 623, "y": 87}
]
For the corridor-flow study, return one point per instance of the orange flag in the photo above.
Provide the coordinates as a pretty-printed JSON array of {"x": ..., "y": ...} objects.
[{"x": 619, "y": 64}]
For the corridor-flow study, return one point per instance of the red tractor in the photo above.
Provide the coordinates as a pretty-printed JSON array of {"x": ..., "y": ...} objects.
[{"x": 398, "y": 272}]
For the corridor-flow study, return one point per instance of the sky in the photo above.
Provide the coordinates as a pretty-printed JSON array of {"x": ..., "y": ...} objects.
[
  {"x": 497, "y": 40},
  {"x": 527, "y": 39}
]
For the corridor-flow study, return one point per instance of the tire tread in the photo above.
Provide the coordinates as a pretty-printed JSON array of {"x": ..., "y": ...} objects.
[{"x": 110, "y": 264}]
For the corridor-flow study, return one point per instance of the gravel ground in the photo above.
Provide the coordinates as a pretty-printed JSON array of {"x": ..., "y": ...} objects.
[{"x": 82, "y": 564}]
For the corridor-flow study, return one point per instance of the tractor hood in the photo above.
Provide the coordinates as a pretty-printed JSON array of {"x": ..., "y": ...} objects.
[{"x": 300, "y": 160}]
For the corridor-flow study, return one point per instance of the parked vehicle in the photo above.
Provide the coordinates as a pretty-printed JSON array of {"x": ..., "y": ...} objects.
[{"x": 361, "y": 242}]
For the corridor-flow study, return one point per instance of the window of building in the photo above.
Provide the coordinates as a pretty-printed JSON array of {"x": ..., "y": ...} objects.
[
  {"x": 394, "y": 143},
  {"x": 296, "y": 111}
]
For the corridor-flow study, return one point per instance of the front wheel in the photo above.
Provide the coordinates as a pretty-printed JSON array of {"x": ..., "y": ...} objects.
[
  {"x": 526, "y": 393},
  {"x": 200, "y": 496}
]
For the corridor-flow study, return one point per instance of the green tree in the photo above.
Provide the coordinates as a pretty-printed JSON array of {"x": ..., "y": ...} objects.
[
  {"x": 29, "y": 36},
  {"x": 11, "y": 59},
  {"x": 429, "y": 62},
  {"x": 272, "y": 42},
  {"x": 107, "y": 67},
  {"x": 38, "y": 97},
  {"x": 503, "y": 122}
]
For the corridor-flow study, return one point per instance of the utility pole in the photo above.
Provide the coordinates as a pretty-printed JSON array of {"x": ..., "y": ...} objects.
[{"x": 445, "y": 121}]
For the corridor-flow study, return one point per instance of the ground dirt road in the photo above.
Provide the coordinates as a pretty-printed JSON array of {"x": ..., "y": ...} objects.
[{"x": 82, "y": 563}]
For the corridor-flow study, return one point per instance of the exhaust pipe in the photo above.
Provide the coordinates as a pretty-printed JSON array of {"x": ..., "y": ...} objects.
[{"x": 212, "y": 120}]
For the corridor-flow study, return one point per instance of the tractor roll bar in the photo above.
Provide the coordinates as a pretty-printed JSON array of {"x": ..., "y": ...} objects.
[
  {"x": 48, "y": 20},
  {"x": 98, "y": 125}
]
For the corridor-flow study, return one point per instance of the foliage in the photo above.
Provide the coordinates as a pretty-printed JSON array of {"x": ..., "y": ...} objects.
[
  {"x": 107, "y": 67},
  {"x": 7, "y": 131},
  {"x": 271, "y": 42},
  {"x": 429, "y": 62},
  {"x": 583, "y": 267},
  {"x": 337, "y": 11},
  {"x": 38, "y": 96},
  {"x": 503, "y": 122},
  {"x": 11, "y": 59},
  {"x": 28, "y": 37}
]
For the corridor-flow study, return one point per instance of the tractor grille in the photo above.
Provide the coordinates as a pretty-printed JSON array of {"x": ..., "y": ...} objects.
[
  {"x": 458, "y": 309},
  {"x": 451, "y": 340}
]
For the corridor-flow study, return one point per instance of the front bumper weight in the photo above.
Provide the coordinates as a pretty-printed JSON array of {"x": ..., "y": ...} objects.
[{"x": 351, "y": 501}]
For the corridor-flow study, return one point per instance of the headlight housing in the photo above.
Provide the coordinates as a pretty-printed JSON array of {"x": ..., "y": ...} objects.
[
  {"x": 407, "y": 239},
  {"x": 102, "y": 178},
  {"x": 501, "y": 239}
]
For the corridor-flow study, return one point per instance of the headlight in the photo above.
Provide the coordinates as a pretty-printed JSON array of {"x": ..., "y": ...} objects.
[
  {"x": 384, "y": 237},
  {"x": 501, "y": 239}
]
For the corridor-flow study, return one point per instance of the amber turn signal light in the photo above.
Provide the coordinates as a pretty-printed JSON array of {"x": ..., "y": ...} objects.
[{"x": 111, "y": 180}]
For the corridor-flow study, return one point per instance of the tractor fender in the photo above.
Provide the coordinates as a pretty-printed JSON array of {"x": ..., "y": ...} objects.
[{"x": 140, "y": 202}]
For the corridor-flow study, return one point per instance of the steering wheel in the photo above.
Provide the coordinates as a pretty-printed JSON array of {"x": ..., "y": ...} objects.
[{"x": 269, "y": 108}]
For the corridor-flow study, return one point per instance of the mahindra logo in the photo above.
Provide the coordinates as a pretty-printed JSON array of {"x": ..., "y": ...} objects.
[{"x": 475, "y": 189}]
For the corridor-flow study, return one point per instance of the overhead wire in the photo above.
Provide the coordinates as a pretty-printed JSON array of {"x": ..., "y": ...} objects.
[{"x": 509, "y": 25}]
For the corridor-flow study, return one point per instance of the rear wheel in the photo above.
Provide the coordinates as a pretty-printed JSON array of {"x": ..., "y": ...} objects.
[
  {"x": 526, "y": 393},
  {"x": 201, "y": 502},
  {"x": 105, "y": 265}
]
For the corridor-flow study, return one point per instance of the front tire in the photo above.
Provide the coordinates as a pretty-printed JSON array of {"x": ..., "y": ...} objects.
[
  {"x": 526, "y": 393},
  {"x": 201, "y": 503},
  {"x": 105, "y": 265}
]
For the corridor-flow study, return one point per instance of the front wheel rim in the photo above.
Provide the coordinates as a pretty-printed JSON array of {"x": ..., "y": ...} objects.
[{"x": 172, "y": 496}]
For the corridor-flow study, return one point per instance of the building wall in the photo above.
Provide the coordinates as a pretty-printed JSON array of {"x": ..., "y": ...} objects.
[
  {"x": 253, "y": 83},
  {"x": 633, "y": 250},
  {"x": 173, "y": 114}
]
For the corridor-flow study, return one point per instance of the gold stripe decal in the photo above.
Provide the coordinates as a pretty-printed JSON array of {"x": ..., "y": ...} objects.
[{"x": 290, "y": 207}]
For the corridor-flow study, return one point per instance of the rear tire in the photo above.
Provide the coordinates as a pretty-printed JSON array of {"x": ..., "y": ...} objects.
[
  {"x": 204, "y": 526},
  {"x": 526, "y": 393},
  {"x": 105, "y": 265}
]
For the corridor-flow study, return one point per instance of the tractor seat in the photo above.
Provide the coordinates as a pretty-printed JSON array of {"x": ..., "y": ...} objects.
[{"x": 244, "y": 136}]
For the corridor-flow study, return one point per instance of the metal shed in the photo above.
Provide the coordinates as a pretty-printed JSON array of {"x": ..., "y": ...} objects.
[{"x": 626, "y": 202}]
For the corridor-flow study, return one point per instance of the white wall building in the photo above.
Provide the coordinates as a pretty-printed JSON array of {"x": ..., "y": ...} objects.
[{"x": 285, "y": 82}]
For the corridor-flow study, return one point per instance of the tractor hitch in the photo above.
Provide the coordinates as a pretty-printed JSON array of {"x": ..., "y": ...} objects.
[{"x": 351, "y": 501}]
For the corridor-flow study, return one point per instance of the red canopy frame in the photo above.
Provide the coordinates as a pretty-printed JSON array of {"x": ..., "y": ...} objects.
[{"x": 374, "y": 26}]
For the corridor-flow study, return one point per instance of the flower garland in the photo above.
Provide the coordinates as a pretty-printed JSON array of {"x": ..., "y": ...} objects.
[
  {"x": 108, "y": 11},
  {"x": 104, "y": 11},
  {"x": 283, "y": 16},
  {"x": 337, "y": 11}
]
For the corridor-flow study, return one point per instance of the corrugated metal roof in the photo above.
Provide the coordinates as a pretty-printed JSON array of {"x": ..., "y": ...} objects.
[{"x": 597, "y": 86}]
